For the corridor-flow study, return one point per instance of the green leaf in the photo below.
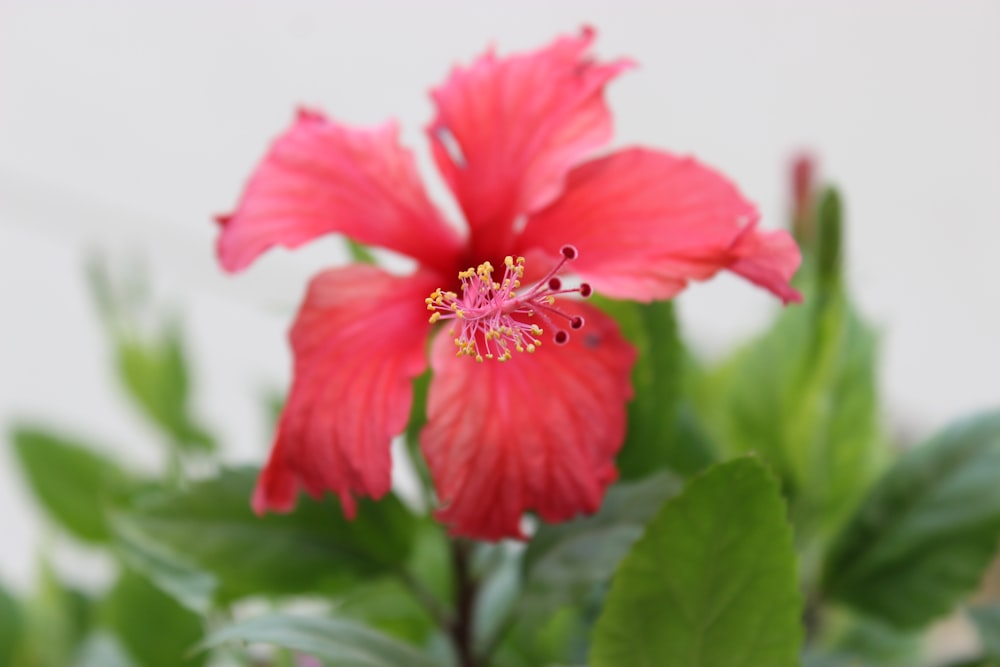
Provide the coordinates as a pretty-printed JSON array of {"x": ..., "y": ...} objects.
[
  {"x": 712, "y": 582},
  {"x": 211, "y": 527},
  {"x": 385, "y": 604},
  {"x": 58, "y": 618},
  {"x": 804, "y": 396},
  {"x": 556, "y": 640},
  {"x": 565, "y": 562},
  {"x": 340, "y": 642},
  {"x": 985, "y": 661},
  {"x": 987, "y": 621},
  {"x": 11, "y": 627},
  {"x": 152, "y": 367},
  {"x": 73, "y": 483},
  {"x": 155, "y": 629},
  {"x": 829, "y": 255},
  {"x": 859, "y": 641},
  {"x": 102, "y": 650},
  {"x": 431, "y": 560},
  {"x": 654, "y": 439},
  {"x": 926, "y": 531},
  {"x": 172, "y": 572},
  {"x": 418, "y": 417},
  {"x": 155, "y": 372},
  {"x": 359, "y": 252}
]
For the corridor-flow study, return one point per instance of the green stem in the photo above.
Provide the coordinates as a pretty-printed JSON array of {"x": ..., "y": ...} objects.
[{"x": 466, "y": 589}]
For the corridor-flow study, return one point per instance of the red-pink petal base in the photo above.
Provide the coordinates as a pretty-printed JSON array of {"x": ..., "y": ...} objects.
[{"x": 538, "y": 432}]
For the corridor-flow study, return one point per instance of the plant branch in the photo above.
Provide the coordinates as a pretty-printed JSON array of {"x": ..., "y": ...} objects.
[{"x": 466, "y": 589}]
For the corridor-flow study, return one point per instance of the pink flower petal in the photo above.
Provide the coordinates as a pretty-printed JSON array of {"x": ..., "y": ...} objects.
[
  {"x": 358, "y": 340},
  {"x": 768, "y": 259},
  {"x": 508, "y": 129},
  {"x": 321, "y": 177},
  {"x": 538, "y": 432},
  {"x": 647, "y": 222}
]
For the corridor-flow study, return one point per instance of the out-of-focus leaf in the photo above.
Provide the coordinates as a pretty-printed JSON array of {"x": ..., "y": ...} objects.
[
  {"x": 987, "y": 621},
  {"x": 384, "y": 604},
  {"x": 564, "y": 562},
  {"x": 11, "y": 627},
  {"x": 313, "y": 548},
  {"x": 926, "y": 531},
  {"x": 830, "y": 244},
  {"x": 153, "y": 367},
  {"x": 430, "y": 561},
  {"x": 359, "y": 251},
  {"x": 102, "y": 650},
  {"x": 499, "y": 589},
  {"x": 57, "y": 620},
  {"x": 336, "y": 641},
  {"x": 418, "y": 411},
  {"x": 859, "y": 641},
  {"x": 171, "y": 571},
  {"x": 654, "y": 439},
  {"x": 155, "y": 373},
  {"x": 804, "y": 396},
  {"x": 711, "y": 583},
  {"x": 555, "y": 640},
  {"x": 73, "y": 483},
  {"x": 155, "y": 629},
  {"x": 418, "y": 417},
  {"x": 973, "y": 662},
  {"x": 274, "y": 403}
]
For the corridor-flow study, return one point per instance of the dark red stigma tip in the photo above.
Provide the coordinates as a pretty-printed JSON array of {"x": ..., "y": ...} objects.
[
  {"x": 576, "y": 322},
  {"x": 569, "y": 251},
  {"x": 561, "y": 337},
  {"x": 555, "y": 284},
  {"x": 586, "y": 290}
]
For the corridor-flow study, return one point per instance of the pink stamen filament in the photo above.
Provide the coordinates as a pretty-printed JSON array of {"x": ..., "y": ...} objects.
[{"x": 486, "y": 309}]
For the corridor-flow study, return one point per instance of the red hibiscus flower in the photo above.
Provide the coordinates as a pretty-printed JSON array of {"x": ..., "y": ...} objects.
[{"x": 539, "y": 431}]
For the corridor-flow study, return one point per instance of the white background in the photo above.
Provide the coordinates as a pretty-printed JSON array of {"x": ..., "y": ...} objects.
[{"x": 125, "y": 126}]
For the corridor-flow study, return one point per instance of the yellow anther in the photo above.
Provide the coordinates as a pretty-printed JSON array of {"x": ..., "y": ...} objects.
[
  {"x": 530, "y": 348},
  {"x": 434, "y": 318}
]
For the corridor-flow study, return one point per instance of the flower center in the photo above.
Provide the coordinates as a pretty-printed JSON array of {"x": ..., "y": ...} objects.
[{"x": 491, "y": 317}]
